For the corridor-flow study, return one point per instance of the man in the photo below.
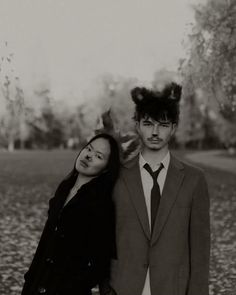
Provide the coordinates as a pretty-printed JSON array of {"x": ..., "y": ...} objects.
[{"x": 162, "y": 217}]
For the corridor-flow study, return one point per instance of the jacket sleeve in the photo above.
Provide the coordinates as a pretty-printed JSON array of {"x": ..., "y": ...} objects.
[
  {"x": 199, "y": 240},
  {"x": 102, "y": 242}
]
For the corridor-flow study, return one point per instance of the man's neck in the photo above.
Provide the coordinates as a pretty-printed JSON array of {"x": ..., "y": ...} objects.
[{"x": 154, "y": 156}]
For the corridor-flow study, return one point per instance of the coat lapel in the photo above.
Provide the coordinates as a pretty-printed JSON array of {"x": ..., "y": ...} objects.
[
  {"x": 174, "y": 178},
  {"x": 133, "y": 182}
]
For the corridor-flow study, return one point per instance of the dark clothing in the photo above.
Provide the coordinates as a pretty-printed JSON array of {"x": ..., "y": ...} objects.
[{"x": 77, "y": 242}]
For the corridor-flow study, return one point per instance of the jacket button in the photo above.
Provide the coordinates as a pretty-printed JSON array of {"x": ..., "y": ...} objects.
[
  {"x": 62, "y": 236},
  {"x": 145, "y": 265},
  {"x": 56, "y": 228},
  {"x": 42, "y": 290}
]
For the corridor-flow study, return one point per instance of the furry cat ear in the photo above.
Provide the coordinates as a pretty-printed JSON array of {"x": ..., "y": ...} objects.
[
  {"x": 138, "y": 94},
  {"x": 172, "y": 91}
]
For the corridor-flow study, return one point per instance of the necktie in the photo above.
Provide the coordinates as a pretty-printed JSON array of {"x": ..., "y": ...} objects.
[{"x": 155, "y": 192}]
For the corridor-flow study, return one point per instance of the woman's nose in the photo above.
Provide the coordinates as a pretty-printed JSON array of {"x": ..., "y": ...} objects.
[{"x": 88, "y": 157}]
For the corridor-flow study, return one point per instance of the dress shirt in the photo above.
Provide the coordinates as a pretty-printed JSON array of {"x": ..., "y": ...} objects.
[{"x": 147, "y": 183}]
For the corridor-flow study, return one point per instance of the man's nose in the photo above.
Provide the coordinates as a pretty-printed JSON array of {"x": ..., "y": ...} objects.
[{"x": 155, "y": 130}]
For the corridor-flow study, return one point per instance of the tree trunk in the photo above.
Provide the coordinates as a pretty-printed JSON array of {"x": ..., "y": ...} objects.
[
  {"x": 22, "y": 144},
  {"x": 11, "y": 145}
]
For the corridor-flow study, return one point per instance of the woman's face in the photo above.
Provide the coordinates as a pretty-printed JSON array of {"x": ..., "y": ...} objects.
[{"x": 93, "y": 158}]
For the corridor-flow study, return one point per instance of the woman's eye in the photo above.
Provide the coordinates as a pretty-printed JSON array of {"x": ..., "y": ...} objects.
[{"x": 99, "y": 157}]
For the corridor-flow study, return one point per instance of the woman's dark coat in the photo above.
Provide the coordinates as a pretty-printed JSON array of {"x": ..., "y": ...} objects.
[{"x": 77, "y": 242}]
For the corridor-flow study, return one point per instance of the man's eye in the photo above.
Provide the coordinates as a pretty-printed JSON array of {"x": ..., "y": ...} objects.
[
  {"x": 99, "y": 157},
  {"x": 147, "y": 124}
]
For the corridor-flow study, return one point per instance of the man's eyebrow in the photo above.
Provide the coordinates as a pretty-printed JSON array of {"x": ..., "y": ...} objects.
[
  {"x": 148, "y": 120},
  {"x": 164, "y": 122}
]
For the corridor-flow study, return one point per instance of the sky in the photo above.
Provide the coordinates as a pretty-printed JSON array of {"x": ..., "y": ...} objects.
[{"x": 69, "y": 44}]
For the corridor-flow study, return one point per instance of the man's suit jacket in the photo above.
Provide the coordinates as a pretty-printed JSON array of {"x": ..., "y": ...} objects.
[{"x": 177, "y": 252}]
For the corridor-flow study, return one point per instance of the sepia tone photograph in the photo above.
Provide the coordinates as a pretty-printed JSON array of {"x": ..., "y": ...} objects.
[{"x": 118, "y": 147}]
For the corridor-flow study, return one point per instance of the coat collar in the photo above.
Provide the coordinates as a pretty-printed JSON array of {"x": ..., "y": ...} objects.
[
  {"x": 93, "y": 190},
  {"x": 175, "y": 162},
  {"x": 132, "y": 179},
  {"x": 174, "y": 178}
]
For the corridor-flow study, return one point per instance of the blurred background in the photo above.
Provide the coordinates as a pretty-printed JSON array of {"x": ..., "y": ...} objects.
[{"x": 66, "y": 71}]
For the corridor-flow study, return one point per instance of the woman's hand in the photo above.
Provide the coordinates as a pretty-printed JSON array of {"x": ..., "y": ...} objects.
[{"x": 106, "y": 289}]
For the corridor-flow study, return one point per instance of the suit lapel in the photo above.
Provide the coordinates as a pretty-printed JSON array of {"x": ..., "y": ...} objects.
[
  {"x": 174, "y": 178},
  {"x": 133, "y": 182}
]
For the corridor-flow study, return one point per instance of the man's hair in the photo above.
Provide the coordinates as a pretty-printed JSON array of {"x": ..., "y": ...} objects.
[{"x": 158, "y": 105}]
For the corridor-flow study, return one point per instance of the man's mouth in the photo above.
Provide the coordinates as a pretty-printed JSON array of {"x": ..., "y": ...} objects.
[{"x": 155, "y": 140}]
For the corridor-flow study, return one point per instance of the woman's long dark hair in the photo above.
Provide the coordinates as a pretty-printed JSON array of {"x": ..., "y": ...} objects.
[{"x": 111, "y": 171}]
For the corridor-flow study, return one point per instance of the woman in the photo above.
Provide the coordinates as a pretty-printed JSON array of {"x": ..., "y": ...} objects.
[{"x": 77, "y": 242}]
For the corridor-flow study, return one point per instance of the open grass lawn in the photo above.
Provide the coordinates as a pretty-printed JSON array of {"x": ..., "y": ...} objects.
[{"x": 29, "y": 179}]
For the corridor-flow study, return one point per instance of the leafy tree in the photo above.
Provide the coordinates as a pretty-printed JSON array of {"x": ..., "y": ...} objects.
[
  {"x": 212, "y": 60},
  {"x": 164, "y": 76},
  {"x": 190, "y": 131},
  {"x": 12, "y": 117},
  {"x": 81, "y": 124},
  {"x": 46, "y": 127},
  {"x": 197, "y": 119},
  {"x": 115, "y": 95}
]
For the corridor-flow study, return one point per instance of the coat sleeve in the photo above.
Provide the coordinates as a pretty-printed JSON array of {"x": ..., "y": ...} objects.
[
  {"x": 101, "y": 244},
  {"x": 199, "y": 240}
]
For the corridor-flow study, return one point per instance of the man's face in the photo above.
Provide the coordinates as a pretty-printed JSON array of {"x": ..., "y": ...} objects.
[{"x": 155, "y": 135}]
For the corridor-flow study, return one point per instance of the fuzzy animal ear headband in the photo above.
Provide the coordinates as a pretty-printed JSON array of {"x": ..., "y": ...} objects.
[{"x": 171, "y": 92}]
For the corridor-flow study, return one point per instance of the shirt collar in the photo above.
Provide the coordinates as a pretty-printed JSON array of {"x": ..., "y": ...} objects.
[{"x": 165, "y": 161}]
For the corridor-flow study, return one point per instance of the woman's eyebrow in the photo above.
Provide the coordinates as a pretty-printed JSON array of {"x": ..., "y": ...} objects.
[
  {"x": 99, "y": 152},
  {"x": 95, "y": 150}
]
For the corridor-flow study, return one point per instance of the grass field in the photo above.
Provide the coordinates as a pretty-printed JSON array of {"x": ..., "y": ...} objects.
[{"x": 29, "y": 179}]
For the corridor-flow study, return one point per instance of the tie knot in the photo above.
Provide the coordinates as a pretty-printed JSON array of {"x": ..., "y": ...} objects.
[{"x": 154, "y": 174}]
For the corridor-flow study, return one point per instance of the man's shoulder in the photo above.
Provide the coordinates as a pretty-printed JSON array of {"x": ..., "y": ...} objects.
[
  {"x": 129, "y": 163},
  {"x": 127, "y": 168},
  {"x": 188, "y": 167}
]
